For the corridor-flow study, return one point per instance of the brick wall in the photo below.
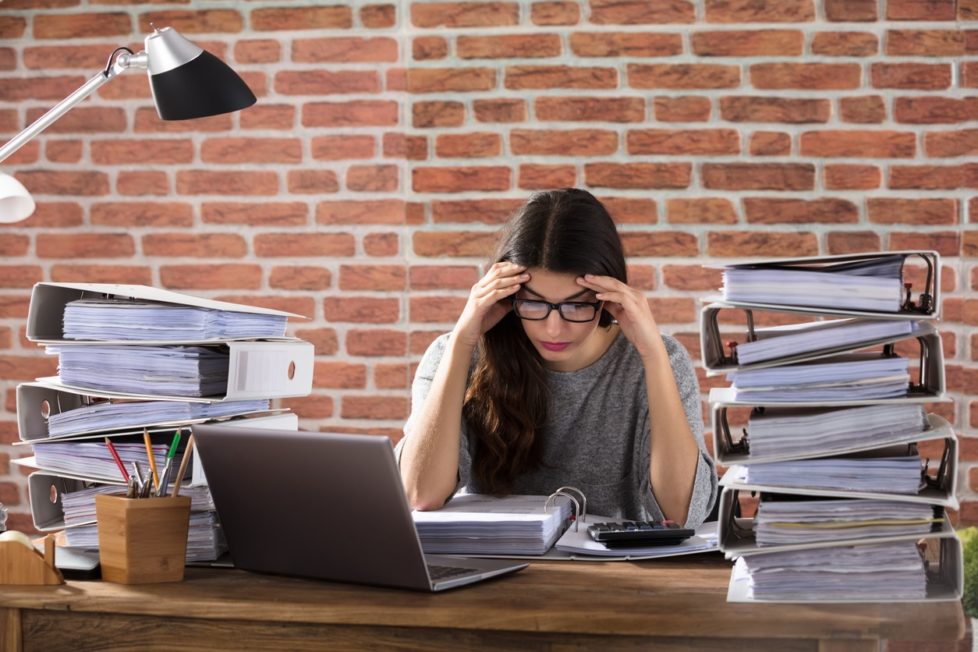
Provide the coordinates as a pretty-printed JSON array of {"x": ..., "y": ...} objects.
[{"x": 390, "y": 141}]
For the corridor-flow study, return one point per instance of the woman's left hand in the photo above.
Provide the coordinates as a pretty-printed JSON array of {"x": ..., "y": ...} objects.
[{"x": 630, "y": 308}]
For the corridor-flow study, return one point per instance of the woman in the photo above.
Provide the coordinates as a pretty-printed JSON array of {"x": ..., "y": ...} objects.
[{"x": 556, "y": 374}]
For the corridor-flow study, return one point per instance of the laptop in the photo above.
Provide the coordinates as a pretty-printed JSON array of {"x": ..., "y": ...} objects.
[{"x": 323, "y": 505}]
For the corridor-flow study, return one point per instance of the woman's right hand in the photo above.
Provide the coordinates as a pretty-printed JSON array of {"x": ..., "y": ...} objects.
[{"x": 489, "y": 301}]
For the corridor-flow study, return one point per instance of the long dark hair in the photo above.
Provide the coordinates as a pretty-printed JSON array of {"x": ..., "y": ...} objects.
[{"x": 507, "y": 402}]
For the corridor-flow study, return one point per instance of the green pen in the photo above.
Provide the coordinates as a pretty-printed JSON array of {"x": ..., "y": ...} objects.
[{"x": 165, "y": 477}]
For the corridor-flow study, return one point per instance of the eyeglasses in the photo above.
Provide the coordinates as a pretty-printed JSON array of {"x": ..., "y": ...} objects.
[{"x": 575, "y": 311}]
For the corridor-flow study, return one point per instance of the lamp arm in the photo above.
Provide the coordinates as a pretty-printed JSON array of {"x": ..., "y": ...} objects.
[{"x": 122, "y": 63}]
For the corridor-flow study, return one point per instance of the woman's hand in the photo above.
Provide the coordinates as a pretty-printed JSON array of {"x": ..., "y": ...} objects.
[
  {"x": 631, "y": 309},
  {"x": 489, "y": 301}
]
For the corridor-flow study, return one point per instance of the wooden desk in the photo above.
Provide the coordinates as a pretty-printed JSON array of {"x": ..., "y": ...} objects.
[{"x": 668, "y": 604}]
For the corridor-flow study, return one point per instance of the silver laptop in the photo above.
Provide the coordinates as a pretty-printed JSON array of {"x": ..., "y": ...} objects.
[{"x": 323, "y": 505}]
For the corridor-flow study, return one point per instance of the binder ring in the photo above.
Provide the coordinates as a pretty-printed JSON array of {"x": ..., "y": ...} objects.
[{"x": 580, "y": 508}]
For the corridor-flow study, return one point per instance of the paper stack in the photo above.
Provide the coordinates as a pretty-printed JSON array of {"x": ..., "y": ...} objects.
[
  {"x": 832, "y": 412},
  {"x": 136, "y": 366}
]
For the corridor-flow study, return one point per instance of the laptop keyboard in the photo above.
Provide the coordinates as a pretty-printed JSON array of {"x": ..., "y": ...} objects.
[{"x": 438, "y": 572}]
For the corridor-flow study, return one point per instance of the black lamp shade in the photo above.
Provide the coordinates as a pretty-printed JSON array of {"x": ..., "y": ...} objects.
[{"x": 203, "y": 86}]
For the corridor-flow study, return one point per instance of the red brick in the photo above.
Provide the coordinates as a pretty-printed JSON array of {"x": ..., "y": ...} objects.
[
  {"x": 750, "y": 108},
  {"x": 20, "y": 276},
  {"x": 814, "y": 76},
  {"x": 862, "y": 144},
  {"x": 142, "y": 214},
  {"x": 376, "y": 342},
  {"x": 946, "y": 243},
  {"x": 373, "y": 277},
  {"x": 464, "y": 14},
  {"x": 211, "y": 277},
  {"x": 251, "y": 150},
  {"x": 312, "y": 182},
  {"x": 935, "y": 110},
  {"x": 477, "y": 244},
  {"x": 641, "y": 277},
  {"x": 298, "y": 277},
  {"x": 600, "y": 109},
  {"x": 919, "y": 76},
  {"x": 338, "y": 148},
  {"x": 372, "y": 178},
  {"x": 748, "y": 43},
  {"x": 460, "y": 179},
  {"x": 692, "y": 277},
  {"x": 443, "y": 80},
  {"x": 852, "y": 177},
  {"x": 14, "y": 305},
  {"x": 380, "y": 211},
  {"x": 847, "y": 242},
  {"x": 555, "y": 13},
  {"x": 641, "y": 12},
  {"x": 52, "y": 215},
  {"x": 84, "y": 245},
  {"x": 933, "y": 177},
  {"x": 962, "y": 142},
  {"x": 101, "y": 274},
  {"x": 82, "y": 183},
  {"x": 84, "y": 120},
  {"x": 763, "y": 210},
  {"x": 575, "y": 142},
  {"x": 508, "y": 46},
  {"x": 683, "y": 142},
  {"x": 88, "y": 25},
  {"x": 770, "y": 143},
  {"x": 401, "y": 146},
  {"x": 546, "y": 177},
  {"x": 378, "y": 16},
  {"x": 381, "y": 244},
  {"x": 435, "y": 309},
  {"x": 659, "y": 243},
  {"x": 868, "y": 109},
  {"x": 625, "y": 44},
  {"x": 194, "y": 21},
  {"x": 845, "y": 44},
  {"x": 263, "y": 214},
  {"x": 471, "y": 145},
  {"x": 392, "y": 375},
  {"x": 375, "y": 407},
  {"x": 142, "y": 151},
  {"x": 545, "y": 77},
  {"x": 969, "y": 74},
  {"x": 682, "y": 76},
  {"x": 920, "y": 10},
  {"x": 269, "y": 245},
  {"x": 764, "y": 244},
  {"x": 355, "y": 113},
  {"x": 704, "y": 210},
  {"x": 55, "y": 87},
  {"x": 339, "y": 375},
  {"x": 886, "y": 210},
  {"x": 310, "y": 407},
  {"x": 362, "y": 309},
  {"x": 627, "y": 210},
  {"x": 426, "y": 48},
  {"x": 63, "y": 151},
  {"x": 851, "y": 10},
  {"x": 295, "y": 18},
  {"x": 323, "y": 339},
  {"x": 345, "y": 50},
  {"x": 14, "y": 245},
  {"x": 925, "y": 42},
  {"x": 638, "y": 175},
  {"x": 442, "y": 277},
  {"x": 197, "y": 245},
  {"x": 688, "y": 108},
  {"x": 236, "y": 182},
  {"x": 759, "y": 11},
  {"x": 758, "y": 176},
  {"x": 318, "y": 82},
  {"x": 437, "y": 114},
  {"x": 258, "y": 51},
  {"x": 484, "y": 211},
  {"x": 12, "y": 26}
]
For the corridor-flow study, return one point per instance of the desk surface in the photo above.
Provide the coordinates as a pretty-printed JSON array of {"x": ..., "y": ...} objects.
[{"x": 584, "y": 604}]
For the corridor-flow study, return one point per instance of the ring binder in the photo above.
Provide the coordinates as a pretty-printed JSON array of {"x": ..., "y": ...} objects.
[{"x": 580, "y": 509}]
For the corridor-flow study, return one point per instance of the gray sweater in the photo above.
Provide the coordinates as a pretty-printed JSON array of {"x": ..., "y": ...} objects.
[{"x": 597, "y": 434}]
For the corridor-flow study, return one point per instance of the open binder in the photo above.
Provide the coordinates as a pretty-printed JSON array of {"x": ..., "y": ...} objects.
[
  {"x": 45, "y": 323},
  {"x": 924, "y": 304},
  {"x": 720, "y": 351},
  {"x": 939, "y": 486}
]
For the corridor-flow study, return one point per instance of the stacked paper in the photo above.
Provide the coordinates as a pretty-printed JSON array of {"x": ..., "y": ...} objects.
[
  {"x": 79, "y": 506},
  {"x": 121, "y": 319},
  {"x": 116, "y": 415},
  {"x": 482, "y": 525},
  {"x": 897, "y": 475},
  {"x": 855, "y": 376},
  {"x": 205, "y": 541},
  {"x": 92, "y": 460},
  {"x": 794, "y": 339}
]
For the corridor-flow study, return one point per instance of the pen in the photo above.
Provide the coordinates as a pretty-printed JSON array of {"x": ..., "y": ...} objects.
[
  {"x": 140, "y": 483},
  {"x": 118, "y": 460},
  {"x": 183, "y": 465},
  {"x": 152, "y": 461},
  {"x": 165, "y": 478}
]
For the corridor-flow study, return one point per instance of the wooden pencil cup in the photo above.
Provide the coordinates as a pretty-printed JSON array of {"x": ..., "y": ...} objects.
[{"x": 142, "y": 540}]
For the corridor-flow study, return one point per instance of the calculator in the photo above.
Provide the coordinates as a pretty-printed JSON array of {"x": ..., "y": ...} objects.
[{"x": 637, "y": 534}]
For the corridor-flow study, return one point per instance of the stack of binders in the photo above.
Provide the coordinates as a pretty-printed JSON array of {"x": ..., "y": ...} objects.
[
  {"x": 847, "y": 476},
  {"x": 137, "y": 365}
]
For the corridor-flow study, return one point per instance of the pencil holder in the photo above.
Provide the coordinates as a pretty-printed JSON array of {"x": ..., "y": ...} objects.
[{"x": 142, "y": 540}]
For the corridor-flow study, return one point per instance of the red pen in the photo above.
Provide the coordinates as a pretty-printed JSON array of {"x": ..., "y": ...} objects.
[{"x": 118, "y": 460}]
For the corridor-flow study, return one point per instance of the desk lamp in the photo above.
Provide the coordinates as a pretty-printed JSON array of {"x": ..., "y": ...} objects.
[{"x": 186, "y": 81}]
